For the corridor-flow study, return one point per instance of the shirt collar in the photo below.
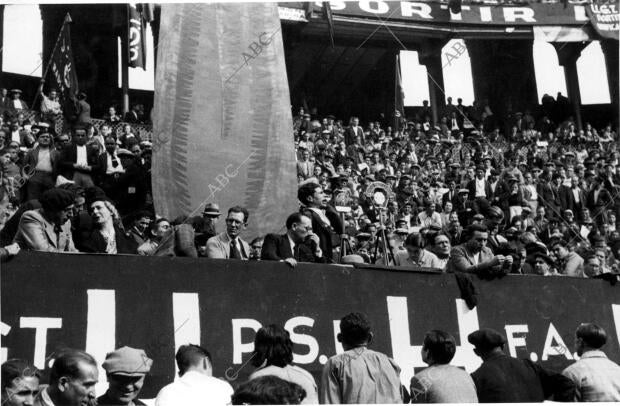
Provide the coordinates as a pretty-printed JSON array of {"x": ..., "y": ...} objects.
[
  {"x": 593, "y": 354},
  {"x": 45, "y": 397}
]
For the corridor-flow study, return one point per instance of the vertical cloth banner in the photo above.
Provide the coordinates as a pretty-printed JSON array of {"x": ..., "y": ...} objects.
[
  {"x": 605, "y": 19},
  {"x": 223, "y": 129},
  {"x": 399, "y": 96},
  {"x": 136, "y": 35},
  {"x": 63, "y": 67}
]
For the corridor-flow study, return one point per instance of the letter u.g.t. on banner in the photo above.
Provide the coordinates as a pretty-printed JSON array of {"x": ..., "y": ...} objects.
[{"x": 222, "y": 95}]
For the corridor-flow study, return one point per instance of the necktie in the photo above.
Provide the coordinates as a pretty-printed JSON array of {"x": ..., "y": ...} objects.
[{"x": 234, "y": 251}]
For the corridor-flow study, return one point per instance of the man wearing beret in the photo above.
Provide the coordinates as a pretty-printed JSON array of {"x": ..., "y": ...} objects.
[
  {"x": 48, "y": 228},
  {"x": 503, "y": 379},
  {"x": 126, "y": 369}
]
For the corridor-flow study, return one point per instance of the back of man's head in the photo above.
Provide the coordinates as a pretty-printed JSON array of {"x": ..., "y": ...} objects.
[
  {"x": 592, "y": 335},
  {"x": 192, "y": 357},
  {"x": 68, "y": 364},
  {"x": 440, "y": 345},
  {"x": 355, "y": 329}
]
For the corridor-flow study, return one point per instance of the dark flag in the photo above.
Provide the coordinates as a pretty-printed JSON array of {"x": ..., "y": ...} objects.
[
  {"x": 399, "y": 97},
  {"x": 63, "y": 67},
  {"x": 136, "y": 34},
  {"x": 327, "y": 12},
  {"x": 605, "y": 18}
]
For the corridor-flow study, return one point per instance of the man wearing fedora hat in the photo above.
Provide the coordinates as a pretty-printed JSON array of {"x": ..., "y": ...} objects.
[
  {"x": 126, "y": 369},
  {"x": 16, "y": 104},
  {"x": 504, "y": 379}
]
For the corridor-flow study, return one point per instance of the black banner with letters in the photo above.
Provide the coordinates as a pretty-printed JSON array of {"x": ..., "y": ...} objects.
[
  {"x": 605, "y": 19},
  {"x": 136, "y": 27},
  {"x": 62, "y": 65},
  {"x": 99, "y": 302}
]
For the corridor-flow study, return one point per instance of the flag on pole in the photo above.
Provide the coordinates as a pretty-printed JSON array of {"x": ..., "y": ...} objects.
[
  {"x": 63, "y": 67},
  {"x": 327, "y": 12},
  {"x": 399, "y": 96},
  {"x": 136, "y": 35}
]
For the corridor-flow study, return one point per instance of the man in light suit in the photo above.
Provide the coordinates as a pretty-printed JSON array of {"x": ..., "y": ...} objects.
[
  {"x": 48, "y": 228},
  {"x": 305, "y": 168},
  {"x": 299, "y": 244},
  {"x": 475, "y": 257},
  {"x": 228, "y": 244}
]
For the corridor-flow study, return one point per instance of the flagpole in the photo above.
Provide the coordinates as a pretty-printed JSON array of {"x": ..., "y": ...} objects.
[
  {"x": 125, "y": 65},
  {"x": 51, "y": 57}
]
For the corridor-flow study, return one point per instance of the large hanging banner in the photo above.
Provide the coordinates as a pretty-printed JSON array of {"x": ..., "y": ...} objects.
[
  {"x": 102, "y": 302},
  {"x": 486, "y": 14},
  {"x": 605, "y": 18},
  {"x": 223, "y": 128}
]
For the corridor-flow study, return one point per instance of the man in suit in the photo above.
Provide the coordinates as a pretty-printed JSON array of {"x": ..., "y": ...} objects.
[
  {"x": 78, "y": 162},
  {"x": 48, "y": 228},
  {"x": 573, "y": 197},
  {"x": 228, "y": 244},
  {"x": 133, "y": 115},
  {"x": 475, "y": 257},
  {"x": 305, "y": 168},
  {"x": 548, "y": 194},
  {"x": 15, "y": 104},
  {"x": 299, "y": 244},
  {"x": 325, "y": 219},
  {"x": 451, "y": 194},
  {"x": 352, "y": 131},
  {"x": 111, "y": 171}
]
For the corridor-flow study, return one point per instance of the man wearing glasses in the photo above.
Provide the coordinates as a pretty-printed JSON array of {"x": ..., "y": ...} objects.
[
  {"x": 228, "y": 244},
  {"x": 475, "y": 257}
]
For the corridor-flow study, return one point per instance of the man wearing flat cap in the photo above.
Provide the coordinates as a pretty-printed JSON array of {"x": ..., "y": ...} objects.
[
  {"x": 503, "y": 379},
  {"x": 125, "y": 369},
  {"x": 48, "y": 228}
]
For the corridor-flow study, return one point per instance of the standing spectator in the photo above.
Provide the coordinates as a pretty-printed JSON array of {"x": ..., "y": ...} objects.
[
  {"x": 597, "y": 378},
  {"x": 305, "y": 168},
  {"x": 325, "y": 220},
  {"x": 83, "y": 110},
  {"x": 503, "y": 379},
  {"x": 41, "y": 162},
  {"x": 125, "y": 369},
  {"x": 441, "y": 382},
  {"x": 111, "y": 116},
  {"x": 20, "y": 383},
  {"x": 415, "y": 255},
  {"x": 359, "y": 375},
  {"x": 273, "y": 356},
  {"x": 133, "y": 115},
  {"x": 299, "y": 244},
  {"x": 228, "y": 244},
  {"x": 11, "y": 249},
  {"x": 571, "y": 264},
  {"x": 196, "y": 384},
  {"x": 352, "y": 131},
  {"x": 72, "y": 380},
  {"x": 16, "y": 104},
  {"x": 78, "y": 162},
  {"x": 50, "y": 106},
  {"x": 48, "y": 228}
]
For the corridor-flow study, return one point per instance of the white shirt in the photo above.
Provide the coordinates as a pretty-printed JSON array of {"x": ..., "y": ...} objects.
[
  {"x": 193, "y": 389},
  {"x": 81, "y": 155},
  {"x": 576, "y": 195},
  {"x": 15, "y": 137},
  {"x": 110, "y": 167},
  {"x": 480, "y": 188},
  {"x": 290, "y": 241}
]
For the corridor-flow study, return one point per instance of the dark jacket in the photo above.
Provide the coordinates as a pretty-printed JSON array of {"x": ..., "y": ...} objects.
[
  {"x": 325, "y": 232},
  {"x": 96, "y": 244},
  {"x": 503, "y": 379},
  {"x": 68, "y": 157},
  {"x": 277, "y": 247}
]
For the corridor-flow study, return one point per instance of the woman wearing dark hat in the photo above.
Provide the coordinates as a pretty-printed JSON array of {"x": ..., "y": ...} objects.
[{"x": 108, "y": 235}]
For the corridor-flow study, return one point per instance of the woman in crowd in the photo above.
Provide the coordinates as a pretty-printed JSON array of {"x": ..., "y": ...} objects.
[
  {"x": 273, "y": 356},
  {"x": 108, "y": 235}
]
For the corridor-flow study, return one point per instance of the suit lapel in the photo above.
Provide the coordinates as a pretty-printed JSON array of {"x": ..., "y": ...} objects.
[
  {"x": 51, "y": 235},
  {"x": 287, "y": 251}
]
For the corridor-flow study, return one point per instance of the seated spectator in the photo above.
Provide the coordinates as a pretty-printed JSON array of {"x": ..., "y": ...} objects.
[
  {"x": 359, "y": 375},
  {"x": 169, "y": 240},
  {"x": 273, "y": 356},
  {"x": 6, "y": 250},
  {"x": 441, "y": 382},
  {"x": 111, "y": 116},
  {"x": 228, "y": 244},
  {"x": 256, "y": 247},
  {"x": 596, "y": 378},
  {"x": 128, "y": 138},
  {"x": 20, "y": 383},
  {"x": 544, "y": 265},
  {"x": 475, "y": 257},
  {"x": 415, "y": 255},
  {"x": 210, "y": 215},
  {"x": 140, "y": 227},
  {"x": 72, "y": 380},
  {"x": 196, "y": 384},
  {"x": 571, "y": 264},
  {"x": 108, "y": 235},
  {"x": 268, "y": 390},
  {"x": 48, "y": 228},
  {"x": 126, "y": 369},
  {"x": 299, "y": 244}
]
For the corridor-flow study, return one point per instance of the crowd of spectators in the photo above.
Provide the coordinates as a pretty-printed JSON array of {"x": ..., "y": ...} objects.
[
  {"x": 358, "y": 375},
  {"x": 473, "y": 192}
]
